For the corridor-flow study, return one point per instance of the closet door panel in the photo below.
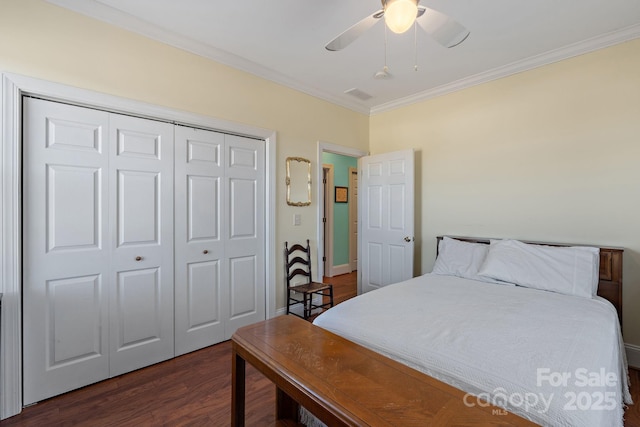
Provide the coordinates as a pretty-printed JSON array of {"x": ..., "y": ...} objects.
[
  {"x": 139, "y": 208},
  {"x": 244, "y": 234},
  {"x": 203, "y": 287},
  {"x": 76, "y": 337},
  {"x": 242, "y": 203},
  {"x": 201, "y": 274},
  {"x": 73, "y": 207},
  {"x": 141, "y": 213},
  {"x": 65, "y": 259},
  {"x": 243, "y": 281},
  {"x": 203, "y": 217},
  {"x": 138, "y": 307}
]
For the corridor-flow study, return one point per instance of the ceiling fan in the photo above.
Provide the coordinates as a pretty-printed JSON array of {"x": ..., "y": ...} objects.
[{"x": 399, "y": 16}]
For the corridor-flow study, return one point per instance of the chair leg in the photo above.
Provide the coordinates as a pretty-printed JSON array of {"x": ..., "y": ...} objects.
[
  {"x": 331, "y": 296},
  {"x": 288, "y": 300},
  {"x": 306, "y": 308}
]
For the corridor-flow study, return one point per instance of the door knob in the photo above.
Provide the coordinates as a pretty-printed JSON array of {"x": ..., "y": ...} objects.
[
  {"x": 408, "y": 239},
  {"x": 206, "y": 251},
  {"x": 139, "y": 258}
]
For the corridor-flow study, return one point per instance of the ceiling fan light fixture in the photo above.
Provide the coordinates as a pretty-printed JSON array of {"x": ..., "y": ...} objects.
[{"x": 399, "y": 15}]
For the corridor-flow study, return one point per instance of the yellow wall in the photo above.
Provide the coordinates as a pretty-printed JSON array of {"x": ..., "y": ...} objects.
[
  {"x": 44, "y": 41},
  {"x": 552, "y": 154}
]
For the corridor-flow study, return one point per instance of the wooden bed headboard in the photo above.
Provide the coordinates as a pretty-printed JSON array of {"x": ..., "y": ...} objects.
[{"x": 610, "y": 283}]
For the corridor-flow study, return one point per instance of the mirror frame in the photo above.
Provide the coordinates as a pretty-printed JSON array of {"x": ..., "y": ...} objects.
[{"x": 288, "y": 181}]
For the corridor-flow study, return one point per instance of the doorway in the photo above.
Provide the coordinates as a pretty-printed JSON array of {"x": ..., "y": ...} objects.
[{"x": 335, "y": 155}]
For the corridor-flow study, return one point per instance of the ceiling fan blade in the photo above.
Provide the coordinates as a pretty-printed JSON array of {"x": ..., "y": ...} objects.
[
  {"x": 445, "y": 30},
  {"x": 349, "y": 36}
]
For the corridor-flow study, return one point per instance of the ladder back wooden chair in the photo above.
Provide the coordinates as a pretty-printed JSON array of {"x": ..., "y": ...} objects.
[{"x": 299, "y": 281}]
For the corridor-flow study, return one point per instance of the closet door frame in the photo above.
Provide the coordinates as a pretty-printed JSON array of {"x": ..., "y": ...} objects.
[{"x": 14, "y": 87}]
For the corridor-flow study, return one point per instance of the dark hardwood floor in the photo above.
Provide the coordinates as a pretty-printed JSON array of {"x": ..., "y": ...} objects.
[
  {"x": 190, "y": 390},
  {"x": 632, "y": 414},
  {"x": 344, "y": 286}
]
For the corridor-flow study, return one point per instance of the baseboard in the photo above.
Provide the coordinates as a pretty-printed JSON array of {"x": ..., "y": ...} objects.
[
  {"x": 633, "y": 355},
  {"x": 336, "y": 270}
]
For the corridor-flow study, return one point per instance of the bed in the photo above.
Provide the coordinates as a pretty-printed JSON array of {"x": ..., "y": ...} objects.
[{"x": 512, "y": 323}]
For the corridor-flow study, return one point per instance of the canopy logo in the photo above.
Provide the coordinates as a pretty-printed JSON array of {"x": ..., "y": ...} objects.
[{"x": 592, "y": 394}]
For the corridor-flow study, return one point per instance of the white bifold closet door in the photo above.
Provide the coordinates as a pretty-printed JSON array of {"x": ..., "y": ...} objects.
[
  {"x": 219, "y": 235},
  {"x": 141, "y": 235},
  {"x": 97, "y": 246},
  {"x": 98, "y": 242}
]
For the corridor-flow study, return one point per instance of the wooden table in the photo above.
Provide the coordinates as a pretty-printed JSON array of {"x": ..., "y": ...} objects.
[{"x": 345, "y": 384}]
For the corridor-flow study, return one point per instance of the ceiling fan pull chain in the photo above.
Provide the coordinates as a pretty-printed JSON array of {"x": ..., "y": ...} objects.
[
  {"x": 386, "y": 69},
  {"x": 415, "y": 45}
]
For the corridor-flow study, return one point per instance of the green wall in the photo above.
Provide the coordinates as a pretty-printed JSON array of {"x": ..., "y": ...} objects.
[{"x": 341, "y": 165}]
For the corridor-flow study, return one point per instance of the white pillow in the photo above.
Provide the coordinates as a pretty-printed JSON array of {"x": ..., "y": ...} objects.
[
  {"x": 571, "y": 270},
  {"x": 462, "y": 259}
]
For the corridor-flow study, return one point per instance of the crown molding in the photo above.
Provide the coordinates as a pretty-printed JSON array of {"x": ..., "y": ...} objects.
[
  {"x": 102, "y": 12},
  {"x": 569, "y": 51},
  {"x": 96, "y": 10}
]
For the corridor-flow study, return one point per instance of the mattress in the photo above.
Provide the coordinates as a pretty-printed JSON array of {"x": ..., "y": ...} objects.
[{"x": 551, "y": 358}]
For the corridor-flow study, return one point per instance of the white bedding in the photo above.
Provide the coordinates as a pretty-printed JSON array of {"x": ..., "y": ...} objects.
[{"x": 538, "y": 354}]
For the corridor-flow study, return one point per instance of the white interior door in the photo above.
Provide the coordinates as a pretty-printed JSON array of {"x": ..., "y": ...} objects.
[
  {"x": 200, "y": 268},
  {"x": 220, "y": 260},
  {"x": 66, "y": 248},
  {"x": 386, "y": 233},
  {"x": 244, "y": 233},
  {"x": 141, "y": 232},
  {"x": 98, "y": 246}
]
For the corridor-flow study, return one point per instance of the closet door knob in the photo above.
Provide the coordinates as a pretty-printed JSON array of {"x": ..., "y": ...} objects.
[
  {"x": 205, "y": 251},
  {"x": 138, "y": 258}
]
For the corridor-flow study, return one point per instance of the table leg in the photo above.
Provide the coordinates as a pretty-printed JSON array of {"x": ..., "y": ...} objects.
[
  {"x": 286, "y": 407},
  {"x": 238, "y": 366}
]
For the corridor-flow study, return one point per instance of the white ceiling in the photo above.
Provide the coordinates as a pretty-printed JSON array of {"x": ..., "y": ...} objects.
[{"x": 283, "y": 40}]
